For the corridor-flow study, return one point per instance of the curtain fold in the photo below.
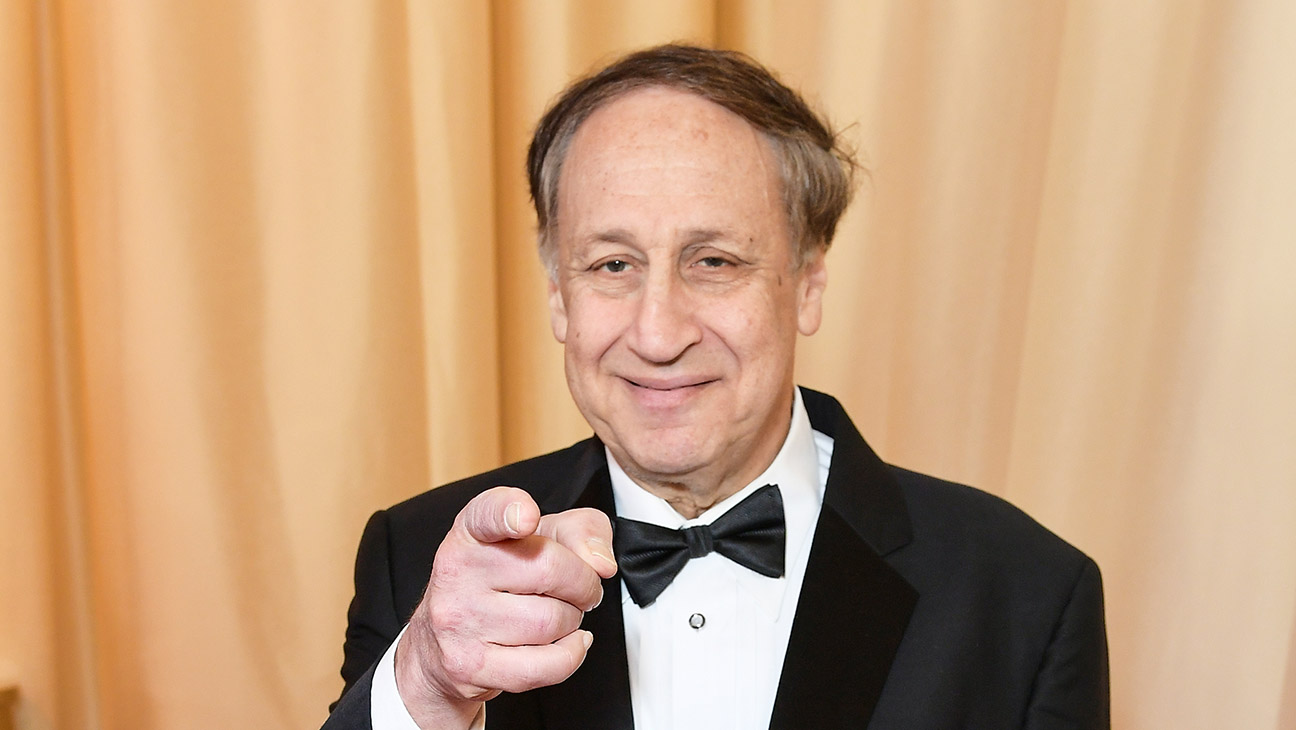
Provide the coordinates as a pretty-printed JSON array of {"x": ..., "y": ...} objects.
[
  {"x": 46, "y": 638},
  {"x": 268, "y": 267}
]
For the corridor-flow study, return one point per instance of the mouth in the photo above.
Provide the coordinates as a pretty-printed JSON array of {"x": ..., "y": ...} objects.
[
  {"x": 668, "y": 385},
  {"x": 665, "y": 395}
]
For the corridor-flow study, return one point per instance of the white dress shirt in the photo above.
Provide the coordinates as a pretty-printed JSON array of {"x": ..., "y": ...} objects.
[{"x": 725, "y": 672}]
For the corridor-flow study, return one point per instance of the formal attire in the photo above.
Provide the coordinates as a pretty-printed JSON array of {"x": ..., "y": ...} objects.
[
  {"x": 923, "y": 604},
  {"x": 707, "y": 653}
]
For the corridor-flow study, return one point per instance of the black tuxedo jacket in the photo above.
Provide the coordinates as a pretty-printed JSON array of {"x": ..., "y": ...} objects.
[{"x": 925, "y": 604}]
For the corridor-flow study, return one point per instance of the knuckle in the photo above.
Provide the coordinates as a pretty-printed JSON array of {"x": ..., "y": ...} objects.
[
  {"x": 477, "y": 519},
  {"x": 548, "y": 621},
  {"x": 448, "y": 616},
  {"x": 467, "y": 665},
  {"x": 447, "y": 566},
  {"x": 547, "y": 572},
  {"x": 462, "y": 669},
  {"x": 483, "y": 505},
  {"x": 539, "y": 622}
]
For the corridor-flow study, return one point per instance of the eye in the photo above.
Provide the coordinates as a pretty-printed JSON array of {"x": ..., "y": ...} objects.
[
  {"x": 713, "y": 262},
  {"x": 614, "y": 266}
]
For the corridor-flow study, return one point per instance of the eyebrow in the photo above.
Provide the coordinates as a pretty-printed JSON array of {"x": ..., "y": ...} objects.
[
  {"x": 692, "y": 236},
  {"x": 615, "y": 235},
  {"x": 706, "y": 235}
]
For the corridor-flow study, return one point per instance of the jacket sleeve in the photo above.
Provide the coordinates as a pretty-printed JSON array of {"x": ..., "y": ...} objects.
[
  {"x": 1071, "y": 688},
  {"x": 372, "y": 620},
  {"x": 351, "y": 712}
]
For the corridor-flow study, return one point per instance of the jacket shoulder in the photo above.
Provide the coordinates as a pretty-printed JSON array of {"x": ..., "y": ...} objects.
[
  {"x": 1010, "y": 612},
  {"x": 966, "y": 529}
]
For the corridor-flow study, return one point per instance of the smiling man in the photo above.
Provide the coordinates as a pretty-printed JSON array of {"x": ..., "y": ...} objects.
[
  {"x": 766, "y": 569},
  {"x": 678, "y": 294}
]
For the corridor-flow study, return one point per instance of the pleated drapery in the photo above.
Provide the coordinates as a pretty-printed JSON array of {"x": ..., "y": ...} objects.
[{"x": 267, "y": 267}]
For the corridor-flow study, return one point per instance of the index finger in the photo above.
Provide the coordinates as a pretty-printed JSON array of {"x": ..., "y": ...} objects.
[
  {"x": 498, "y": 514},
  {"x": 586, "y": 532}
]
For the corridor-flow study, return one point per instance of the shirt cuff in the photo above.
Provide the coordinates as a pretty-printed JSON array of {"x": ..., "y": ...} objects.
[{"x": 386, "y": 708}]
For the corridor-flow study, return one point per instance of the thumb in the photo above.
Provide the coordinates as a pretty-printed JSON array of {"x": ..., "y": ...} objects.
[{"x": 501, "y": 513}]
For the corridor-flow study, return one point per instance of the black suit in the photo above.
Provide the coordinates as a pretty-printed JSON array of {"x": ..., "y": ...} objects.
[{"x": 925, "y": 604}]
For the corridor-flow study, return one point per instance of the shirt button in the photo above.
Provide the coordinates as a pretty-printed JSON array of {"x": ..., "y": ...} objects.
[{"x": 697, "y": 621}]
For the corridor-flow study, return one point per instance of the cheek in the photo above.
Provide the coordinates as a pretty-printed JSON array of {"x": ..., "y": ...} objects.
[
  {"x": 767, "y": 313},
  {"x": 750, "y": 330},
  {"x": 593, "y": 325}
]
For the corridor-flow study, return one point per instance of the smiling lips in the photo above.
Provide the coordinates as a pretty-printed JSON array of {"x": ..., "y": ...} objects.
[{"x": 665, "y": 392}]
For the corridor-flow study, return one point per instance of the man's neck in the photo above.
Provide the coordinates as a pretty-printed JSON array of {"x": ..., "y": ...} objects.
[{"x": 689, "y": 501}]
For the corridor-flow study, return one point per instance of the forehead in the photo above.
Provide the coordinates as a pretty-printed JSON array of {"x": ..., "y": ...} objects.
[
  {"x": 661, "y": 142},
  {"x": 639, "y": 116}
]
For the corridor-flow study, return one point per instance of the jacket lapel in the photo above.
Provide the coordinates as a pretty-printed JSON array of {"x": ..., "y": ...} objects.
[
  {"x": 853, "y": 608},
  {"x": 598, "y": 694}
]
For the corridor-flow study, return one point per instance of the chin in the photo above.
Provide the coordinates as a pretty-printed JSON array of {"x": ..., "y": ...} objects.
[{"x": 670, "y": 457}]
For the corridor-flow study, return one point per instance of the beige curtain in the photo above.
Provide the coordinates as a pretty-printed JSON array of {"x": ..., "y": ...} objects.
[{"x": 268, "y": 266}]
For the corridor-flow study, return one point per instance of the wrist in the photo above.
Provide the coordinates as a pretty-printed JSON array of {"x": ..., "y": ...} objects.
[{"x": 427, "y": 704}]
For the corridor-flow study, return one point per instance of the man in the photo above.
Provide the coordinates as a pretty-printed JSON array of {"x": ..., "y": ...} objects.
[{"x": 685, "y": 201}]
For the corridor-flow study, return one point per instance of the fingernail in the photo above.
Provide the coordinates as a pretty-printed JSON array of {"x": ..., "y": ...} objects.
[
  {"x": 512, "y": 518},
  {"x": 587, "y": 639},
  {"x": 602, "y": 550},
  {"x": 599, "y": 601}
]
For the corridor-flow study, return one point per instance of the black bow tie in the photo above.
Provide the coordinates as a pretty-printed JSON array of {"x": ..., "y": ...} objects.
[{"x": 751, "y": 534}]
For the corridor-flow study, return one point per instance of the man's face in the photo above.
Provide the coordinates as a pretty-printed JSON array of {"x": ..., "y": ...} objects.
[{"x": 676, "y": 293}]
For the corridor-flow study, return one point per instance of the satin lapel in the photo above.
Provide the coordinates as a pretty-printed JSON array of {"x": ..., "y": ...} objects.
[
  {"x": 598, "y": 694},
  {"x": 850, "y": 618},
  {"x": 853, "y": 608}
]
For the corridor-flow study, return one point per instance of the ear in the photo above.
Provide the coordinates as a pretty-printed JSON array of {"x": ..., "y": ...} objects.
[
  {"x": 557, "y": 311},
  {"x": 810, "y": 289}
]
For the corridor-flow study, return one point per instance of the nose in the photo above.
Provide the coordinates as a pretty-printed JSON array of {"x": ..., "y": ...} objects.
[{"x": 665, "y": 324}]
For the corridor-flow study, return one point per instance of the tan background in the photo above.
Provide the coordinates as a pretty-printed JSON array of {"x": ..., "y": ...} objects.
[{"x": 268, "y": 266}]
